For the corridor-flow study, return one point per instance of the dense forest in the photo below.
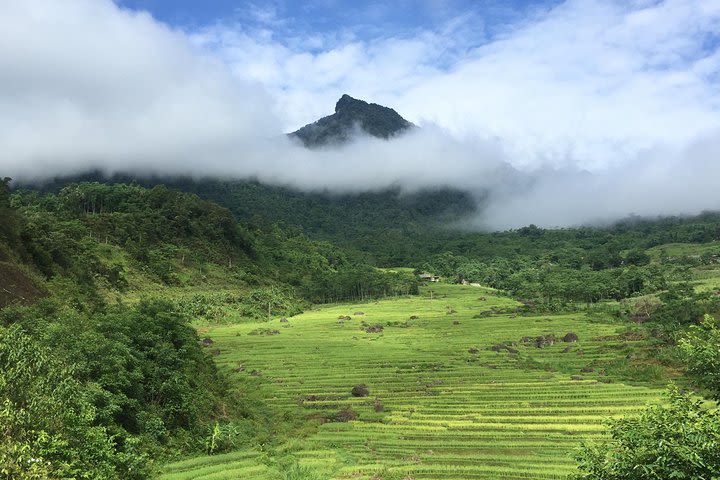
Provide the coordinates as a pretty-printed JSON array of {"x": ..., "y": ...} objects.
[{"x": 388, "y": 227}]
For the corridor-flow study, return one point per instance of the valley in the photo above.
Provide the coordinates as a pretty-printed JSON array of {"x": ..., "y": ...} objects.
[{"x": 452, "y": 396}]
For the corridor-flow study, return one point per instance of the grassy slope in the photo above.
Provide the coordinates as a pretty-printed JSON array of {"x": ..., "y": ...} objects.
[
  {"x": 447, "y": 413},
  {"x": 704, "y": 277},
  {"x": 193, "y": 279},
  {"x": 683, "y": 249}
]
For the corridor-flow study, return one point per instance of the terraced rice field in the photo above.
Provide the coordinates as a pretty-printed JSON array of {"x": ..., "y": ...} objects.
[
  {"x": 231, "y": 466},
  {"x": 442, "y": 403}
]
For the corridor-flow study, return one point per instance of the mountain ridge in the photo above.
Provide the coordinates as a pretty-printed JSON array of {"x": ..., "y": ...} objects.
[{"x": 351, "y": 117}]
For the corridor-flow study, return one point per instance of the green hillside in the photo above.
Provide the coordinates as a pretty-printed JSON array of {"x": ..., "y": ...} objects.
[
  {"x": 388, "y": 227},
  {"x": 148, "y": 332}
]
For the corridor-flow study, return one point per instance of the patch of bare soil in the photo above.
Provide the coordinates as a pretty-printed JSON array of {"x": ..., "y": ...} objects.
[{"x": 16, "y": 288}]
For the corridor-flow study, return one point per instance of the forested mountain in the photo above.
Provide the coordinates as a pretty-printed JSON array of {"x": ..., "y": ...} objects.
[
  {"x": 388, "y": 227},
  {"x": 93, "y": 231},
  {"x": 326, "y": 247}
]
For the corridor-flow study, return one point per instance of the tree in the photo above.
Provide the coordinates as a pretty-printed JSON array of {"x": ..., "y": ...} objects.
[
  {"x": 9, "y": 224},
  {"x": 269, "y": 301},
  {"x": 679, "y": 440},
  {"x": 46, "y": 420},
  {"x": 637, "y": 256},
  {"x": 5, "y": 192},
  {"x": 701, "y": 349}
]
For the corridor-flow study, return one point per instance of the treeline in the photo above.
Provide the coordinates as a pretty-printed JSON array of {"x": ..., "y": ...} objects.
[
  {"x": 154, "y": 226},
  {"x": 391, "y": 227},
  {"x": 386, "y": 228},
  {"x": 166, "y": 233},
  {"x": 557, "y": 279}
]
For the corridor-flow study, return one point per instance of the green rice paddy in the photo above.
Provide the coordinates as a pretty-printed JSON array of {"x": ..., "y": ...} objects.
[{"x": 442, "y": 403}]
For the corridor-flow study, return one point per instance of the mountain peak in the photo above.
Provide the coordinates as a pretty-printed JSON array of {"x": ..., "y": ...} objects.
[
  {"x": 346, "y": 102},
  {"x": 350, "y": 116}
]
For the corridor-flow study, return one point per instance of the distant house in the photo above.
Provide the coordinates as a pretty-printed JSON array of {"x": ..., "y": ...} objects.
[{"x": 429, "y": 277}]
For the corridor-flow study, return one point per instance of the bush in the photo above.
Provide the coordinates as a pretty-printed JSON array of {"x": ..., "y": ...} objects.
[
  {"x": 46, "y": 418},
  {"x": 225, "y": 437},
  {"x": 347, "y": 414},
  {"x": 701, "y": 351},
  {"x": 678, "y": 440},
  {"x": 360, "y": 391}
]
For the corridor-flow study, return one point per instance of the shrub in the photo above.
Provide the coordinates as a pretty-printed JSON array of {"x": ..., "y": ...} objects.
[
  {"x": 701, "y": 351},
  {"x": 360, "y": 391},
  {"x": 678, "y": 440},
  {"x": 46, "y": 418}
]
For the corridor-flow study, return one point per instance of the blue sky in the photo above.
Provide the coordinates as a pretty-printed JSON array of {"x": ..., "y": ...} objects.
[
  {"x": 364, "y": 19},
  {"x": 308, "y": 53}
]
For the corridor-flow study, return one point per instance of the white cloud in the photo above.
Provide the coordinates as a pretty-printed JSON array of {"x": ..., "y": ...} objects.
[
  {"x": 629, "y": 91},
  {"x": 586, "y": 83},
  {"x": 660, "y": 181},
  {"x": 82, "y": 81}
]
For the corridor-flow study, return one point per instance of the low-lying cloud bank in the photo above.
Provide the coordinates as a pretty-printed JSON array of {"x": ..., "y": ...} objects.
[
  {"x": 660, "y": 181},
  {"x": 86, "y": 85}
]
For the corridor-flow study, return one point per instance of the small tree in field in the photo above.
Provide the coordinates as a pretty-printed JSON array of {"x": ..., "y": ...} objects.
[{"x": 680, "y": 440}]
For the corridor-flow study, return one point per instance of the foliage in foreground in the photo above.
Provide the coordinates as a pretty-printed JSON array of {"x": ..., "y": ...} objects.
[
  {"x": 680, "y": 440},
  {"x": 93, "y": 395},
  {"x": 701, "y": 349},
  {"x": 46, "y": 418}
]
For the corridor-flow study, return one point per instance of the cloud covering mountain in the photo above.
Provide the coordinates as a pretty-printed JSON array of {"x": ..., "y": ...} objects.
[{"x": 604, "y": 108}]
